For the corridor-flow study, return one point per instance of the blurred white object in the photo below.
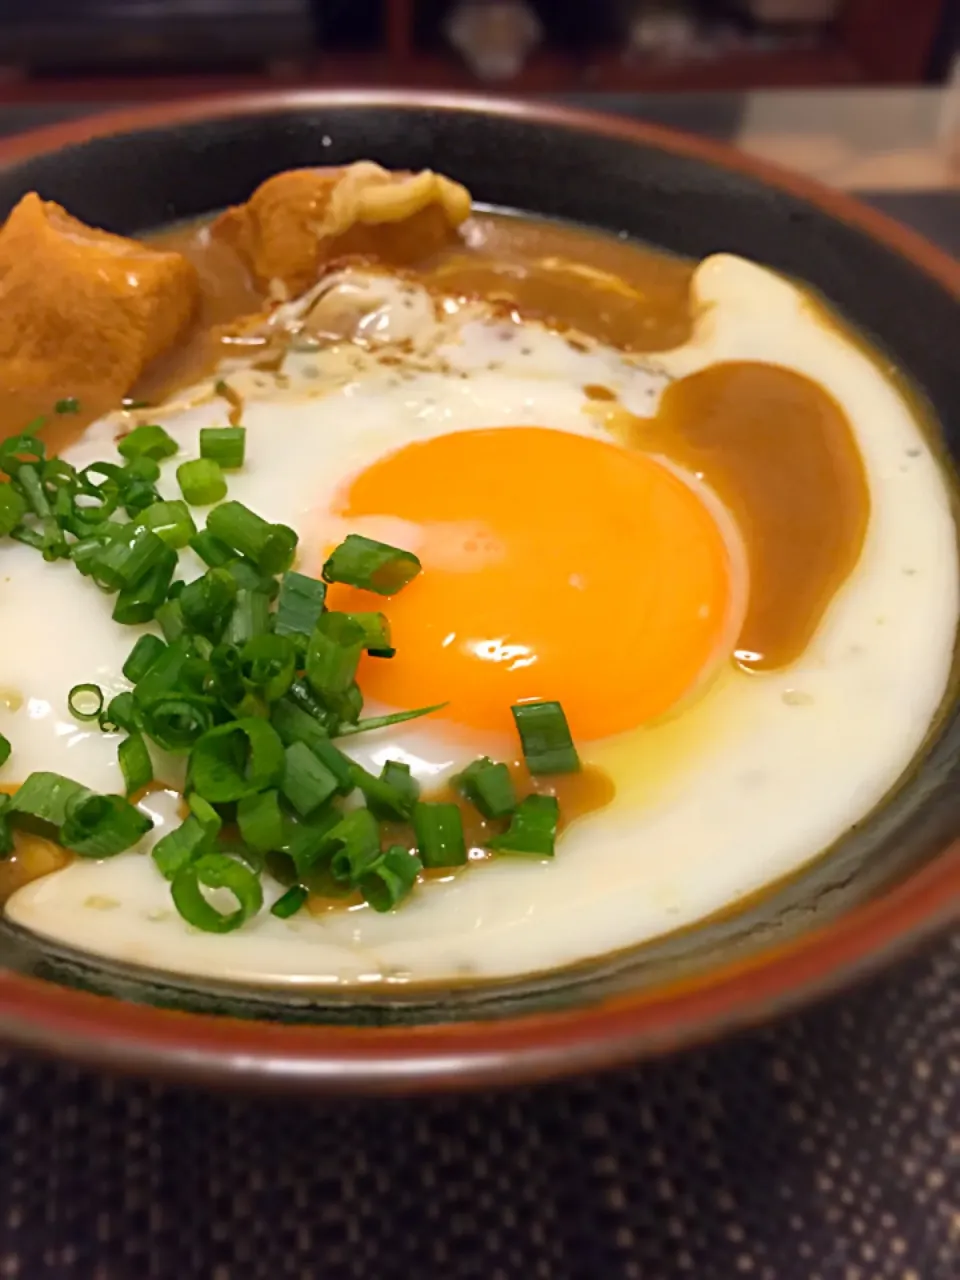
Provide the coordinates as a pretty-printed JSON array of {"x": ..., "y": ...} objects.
[
  {"x": 494, "y": 37},
  {"x": 663, "y": 28}
]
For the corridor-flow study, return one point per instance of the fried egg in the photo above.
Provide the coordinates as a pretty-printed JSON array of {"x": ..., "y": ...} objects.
[{"x": 559, "y": 562}]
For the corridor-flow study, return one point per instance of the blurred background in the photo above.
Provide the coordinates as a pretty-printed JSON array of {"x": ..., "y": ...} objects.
[{"x": 124, "y": 49}]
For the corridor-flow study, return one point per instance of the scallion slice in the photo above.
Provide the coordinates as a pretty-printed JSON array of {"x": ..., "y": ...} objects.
[
  {"x": 21, "y": 450},
  {"x": 260, "y": 821},
  {"x": 178, "y": 721},
  {"x": 164, "y": 674},
  {"x": 13, "y": 508},
  {"x": 208, "y": 602},
  {"x": 102, "y": 826},
  {"x": 225, "y": 445},
  {"x": 268, "y": 665},
  {"x": 142, "y": 657},
  {"x": 489, "y": 787},
  {"x": 333, "y": 654},
  {"x": 211, "y": 550},
  {"x": 250, "y": 616},
  {"x": 545, "y": 738},
  {"x": 307, "y": 784},
  {"x": 216, "y": 871},
  {"x": 299, "y": 604},
  {"x": 201, "y": 482},
  {"x": 391, "y": 797},
  {"x": 304, "y": 842},
  {"x": 177, "y": 848},
  {"x": 43, "y": 797},
  {"x": 387, "y": 881},
  {"x": 139, "y": 603},
  {"x": 126, "y": 559},
  {"x": 533, "y": 829},
  {"x": 289, "y": 903},
  {"x": 69, "y": 404},
  {"x": 5, "y": 750},
  {"x": 439, "y": 832},
  {"x": 383, "y": 722},
  {"x": 170, "y": 521},
  {"x": 376, "y": 629},
  {"x": 6, "y": 830},
  {"x": 135, "y": 763},
  {"x": 270, "y": 546},
  {"x": 148, "y": 440},
  {"x": 120, "y": 713},
  {"x": 85, "y": 701},
  {"x": 236, "y": 760},
  {"x": 373, "y": 566},
  {"x": 355, "y": 842},
  {"x": 294, "y": 725}
]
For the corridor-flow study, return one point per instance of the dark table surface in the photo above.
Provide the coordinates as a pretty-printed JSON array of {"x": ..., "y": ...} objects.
[{"x": 824, "y": 1147}]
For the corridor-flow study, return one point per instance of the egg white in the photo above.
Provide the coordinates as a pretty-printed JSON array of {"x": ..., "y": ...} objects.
[{"x": 756, "y": 779}]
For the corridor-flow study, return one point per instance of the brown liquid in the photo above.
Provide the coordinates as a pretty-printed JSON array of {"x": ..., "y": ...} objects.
[
  {"x": 780, "y": 454},
  {"x": 577, "y": 794}
]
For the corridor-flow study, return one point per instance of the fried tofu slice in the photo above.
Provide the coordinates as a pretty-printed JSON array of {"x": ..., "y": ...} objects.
[
  {"x": 298, "y": 221},
  {"x": 82, "y": 312}
]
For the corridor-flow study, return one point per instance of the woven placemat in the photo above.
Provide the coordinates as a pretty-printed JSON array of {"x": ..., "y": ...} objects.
[{"x": 825, "y": 1147}]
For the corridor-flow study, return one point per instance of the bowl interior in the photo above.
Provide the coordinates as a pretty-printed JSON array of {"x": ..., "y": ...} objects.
[{"x": 670, "y": 198}]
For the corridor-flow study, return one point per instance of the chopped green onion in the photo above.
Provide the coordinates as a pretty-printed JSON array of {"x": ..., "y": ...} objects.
[
  {"x": 179, "y": 847},
  {"x": 170, "y": 521},
  {"x": 135, "y": 763},
  {"x": 307, "y": 700},
  {"x": 236, "y": 760},
  {"x": 225, "y": 445},
  {"x": 140, "y": 602},
  {"x": 178, "y": 721},
  {"x": 170, "y": 619},
  {"x": 102, "y": 826},
  {"x": 270, "y": 546},
  {"x": 211, "y": 550},
  {"x": 299, "y": 604},
  {"x": 208, "y": 602},
  {"x": 374, "y": 566},
  {"x": 305, "y": 842},
  {"x": 28, "y": 478},
  {"x": 43, "y": 797},
  {"x": 164, "y": 675},
  {"x": 294, "y": 725},
  {"x": 6, "y": 831},
  {"x": 533, "y": 829},
  {"x": 348, "y": 704},
  {"x": 70, "y": 404},
  {"x": 289, "y": 903},
  {"x": 142, "y": 657},
  {"x": 140, "y": 497},
  {"x": 382, "y": 722},
  {"x": 21, "y": 450},
  {"x": 376, "y": 629},
  {"x": 489, "y": 787},
  {"x": 268, "y": 665},
  {"x": 205, "y": 814},
  {"x": 85, "y": 552},
  {"x": 13, "y": 508},
  {"x": 545, "y": 738},
  {"x": 307, "y": 783},
  {"x": 136, "y": 469},
  {"x": 250, "y": 616},
  {"x": 387, "y": 881},
  {"x": 333, "y": 654},
  {"x": 246, "y": 574},
  {"x": 225, "y": 679},
  {"x": 85, "y": 701},
  {"x": 355, "y": 842},
  {"x": 391, "y": 797},
  {"x": 148, "y": 440},
  {"x": 439, "y": 831},
  {"x": 120, "y": 713},
  {"x": 260, "y": 821},
  {"x": 127, "y": 559},
  {"x": 201, "y": 482},
  {"x": 5, "y": 750},
  {"x": 216, "y": 871}
]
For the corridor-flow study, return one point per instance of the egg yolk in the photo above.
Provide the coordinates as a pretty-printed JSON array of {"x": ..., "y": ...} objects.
[{"x": 554, "y": 566}]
